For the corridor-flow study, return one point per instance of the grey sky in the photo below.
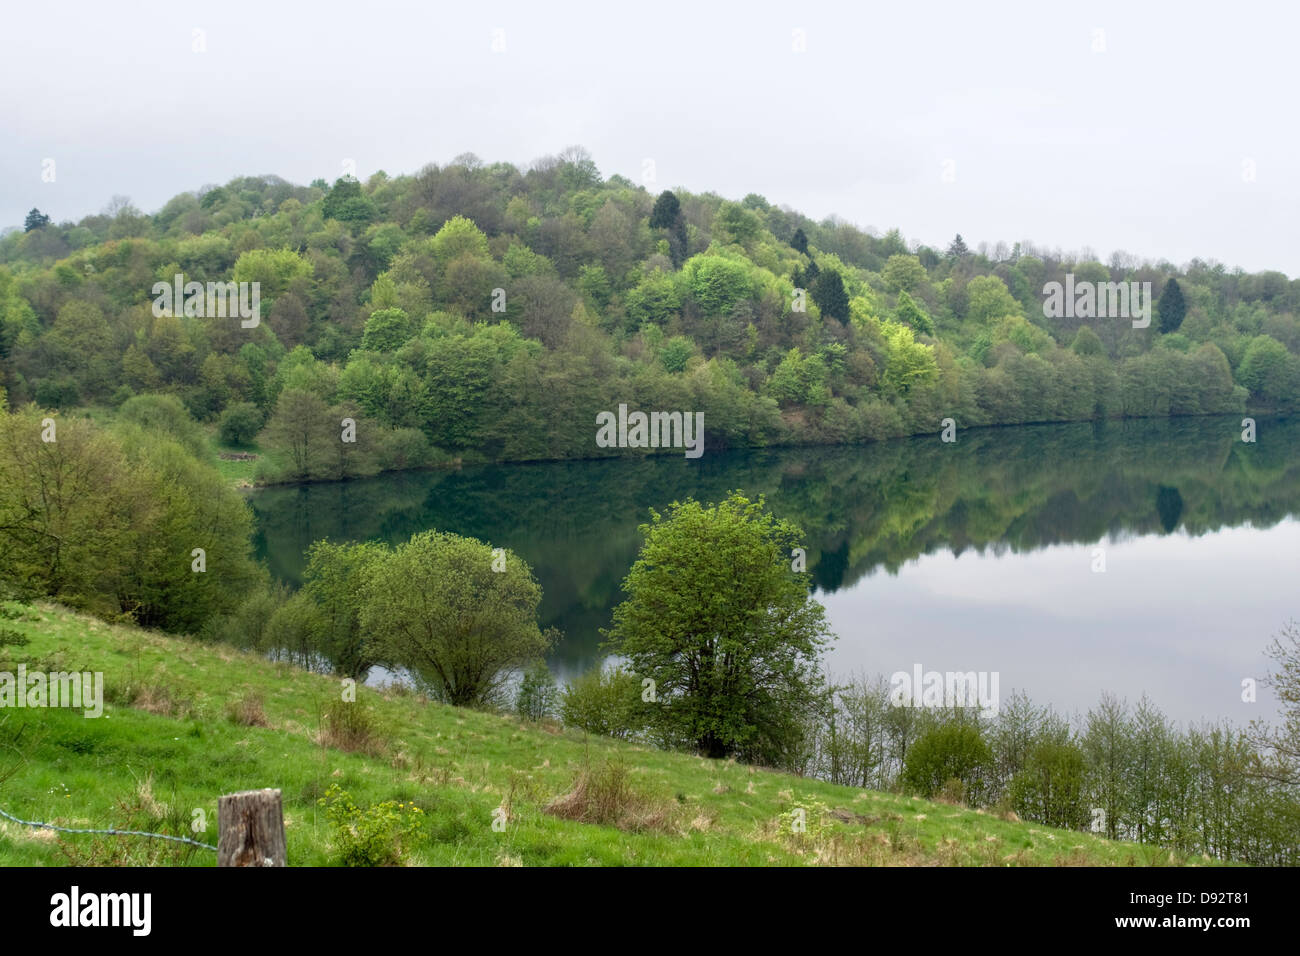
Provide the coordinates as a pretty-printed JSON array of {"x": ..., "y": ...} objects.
[{"x": 1141, "y": 147}]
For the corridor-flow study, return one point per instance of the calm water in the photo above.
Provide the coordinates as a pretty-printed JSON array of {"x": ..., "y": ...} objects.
[{"x": 974, "y": 556}]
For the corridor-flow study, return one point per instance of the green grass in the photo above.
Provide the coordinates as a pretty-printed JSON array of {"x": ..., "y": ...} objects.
[
  {"x": 239, "y": 473},
  {"x": 175, "y": 748}
]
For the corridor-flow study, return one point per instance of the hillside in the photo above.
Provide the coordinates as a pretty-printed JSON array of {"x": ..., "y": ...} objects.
[
  {"x": 186, "y": 722},
  {"x": 480, "y": 311}
]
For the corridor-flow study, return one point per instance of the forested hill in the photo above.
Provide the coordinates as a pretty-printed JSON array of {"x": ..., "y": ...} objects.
[{"x": 477, "y": 310}]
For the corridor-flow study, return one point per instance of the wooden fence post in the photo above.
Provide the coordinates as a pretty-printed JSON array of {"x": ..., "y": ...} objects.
[{"x": 250, "y": 829}]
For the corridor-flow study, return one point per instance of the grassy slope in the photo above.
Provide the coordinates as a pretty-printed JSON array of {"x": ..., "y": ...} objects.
[
  {"x": 239, "y": 473},
  {"x": 147, "y": 766}
]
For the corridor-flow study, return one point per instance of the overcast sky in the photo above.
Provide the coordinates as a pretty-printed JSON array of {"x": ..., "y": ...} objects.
[{"x": 1168, "y": 131}]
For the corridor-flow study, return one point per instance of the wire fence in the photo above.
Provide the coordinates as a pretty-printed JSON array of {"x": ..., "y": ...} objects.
[{"x": 109, "y": 832}]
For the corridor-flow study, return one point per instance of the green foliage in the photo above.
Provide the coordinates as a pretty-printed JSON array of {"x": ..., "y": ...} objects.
[
  {"x": 605, "y": 701},
  {"x": 952, "y": 751},
  {"x": 240, "y": 423},
  {"x": 334, "y": 580},
  {"x": 599, "y": 275},
  {"x": 737, "y": 224},
  {"x": 716, "y": 283},
  {"x": 1171, "y": 307},
  {"x": 379, "y": 835},
  {"x": 166, "y": 415},
  {"x": 912, "y": 315},
  {"x": 457, "y": 612},
  {"x": 1086, "y": 343},
  {"x": 1052, "y": 786},
  {"x": 110, "y": 521},
  {"x": 723, "y": 625},
  {"x": 1270, "y": 372},
  {"x": 799, "y": 241},
  {"x": 805, "y": 820},
  {"x": 386, "y": 330},
  {"x": 988, "y": 299},
  {"x": 667, "y": 210},
  {"x": 910, "y": 363},
  {"x": 346, "y": 202},
  {"x": 904, "y": 273},
  {"x": 653, "y": 300},
  {"x": 35, "y": 220},
  {"x": 457, "y": 238},
  {"x": 537, "y": 696},
  {"x": 676, "y": 352},
  {"x": 273, "y": 269},
  {"x": 829, "y": 294}
]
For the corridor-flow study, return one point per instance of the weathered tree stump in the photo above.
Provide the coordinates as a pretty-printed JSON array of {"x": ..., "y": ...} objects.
[{"x": 250, "y": 829}]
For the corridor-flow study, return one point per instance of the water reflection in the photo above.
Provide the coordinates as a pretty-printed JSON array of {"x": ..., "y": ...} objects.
[{"x": 1002, "y": 507}]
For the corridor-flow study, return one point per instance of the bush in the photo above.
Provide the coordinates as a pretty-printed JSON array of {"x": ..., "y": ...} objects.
[
  {"x": 296, "y": 632},
  {"x": 606, "y": 702},
  {"x": 805, "y": 818},
  {"x": 380, "y": 835},
  {"x": 247, "y": 626},
  {"x": 351, "y": 726},
  {"x": 57, "y": 393},
  {"x": 240, "y": 423},
  {"x": 1050, "y": 788},
  {"x": 952, "y": 751},
  {"x": 400, "y": 448},
  {"x": 167, "y": 414},
  {"x": 537, "y": 694}
]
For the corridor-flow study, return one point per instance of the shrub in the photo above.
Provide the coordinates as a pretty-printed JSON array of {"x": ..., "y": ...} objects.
[
  {"x": 537, "y": 694},
  {"x": 10, "y": 638},
  {"x": 379, "y": 835},
  {"x": 952, "y": 751},
  {"x": 1050, "y": 787},
  {"x": 400, "y": 448},
  {"x": 246, "y": 627},
  {"x": 606, "y": 702},
  {"x": 240, "y": 423},
  {"x": 57, "y": 393},
  {"x": 295, "y": 632},
  {"x": 167, "y": 414},
  {"x": 805, "y": 818},
  {"x": 351, "y": 726}
]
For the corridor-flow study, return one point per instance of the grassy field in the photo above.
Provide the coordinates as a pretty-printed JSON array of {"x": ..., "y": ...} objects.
[
  {"x": 186, "y": 722},
  {"x": 238, "y": 471}
]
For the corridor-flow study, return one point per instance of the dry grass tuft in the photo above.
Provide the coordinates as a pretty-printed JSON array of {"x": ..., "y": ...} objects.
[
  {"x": 605, "y": 795},
  {"x": 350, "y": 726},
  {"x": 247, "y": 711}
]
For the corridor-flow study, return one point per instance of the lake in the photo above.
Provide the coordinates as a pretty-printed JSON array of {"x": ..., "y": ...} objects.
[{"x": 978, "y": 555}]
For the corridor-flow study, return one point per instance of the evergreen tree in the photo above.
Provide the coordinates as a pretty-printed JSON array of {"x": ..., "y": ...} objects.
[
  {"x": 958, "y": 250},
  {"x": 667, "y": 214},
  {"x": 36, "y": 220},
  {"x": 800, "y": 241},
  {"x": 828, "y": 292},
  {"x": 1172, "y": 307},
  {"x": 666, "y": 211}
]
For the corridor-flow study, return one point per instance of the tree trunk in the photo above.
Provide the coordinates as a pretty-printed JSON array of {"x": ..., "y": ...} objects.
[{"x": 251, "y": 829}]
